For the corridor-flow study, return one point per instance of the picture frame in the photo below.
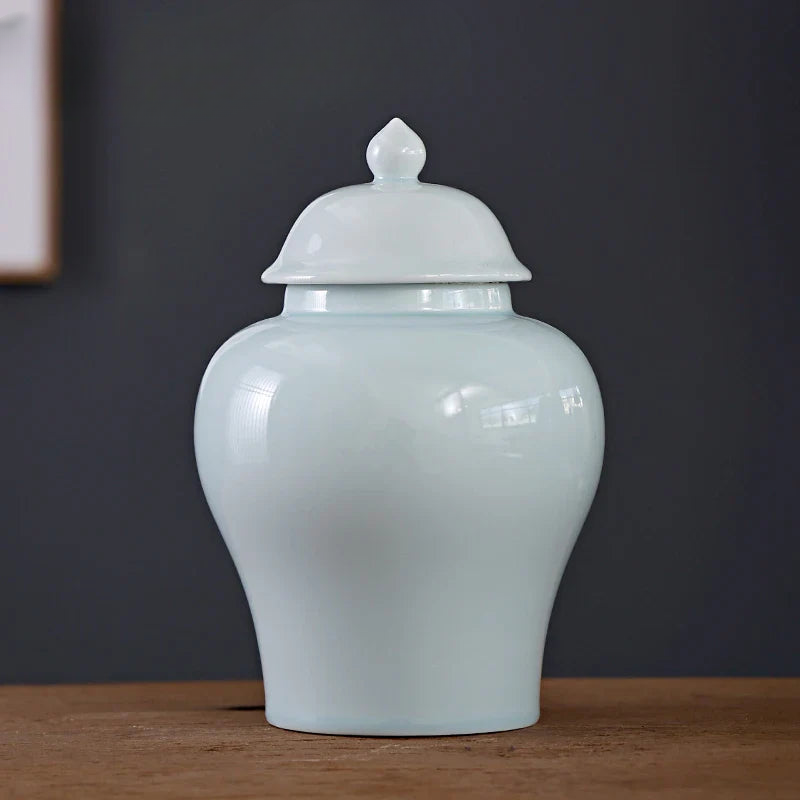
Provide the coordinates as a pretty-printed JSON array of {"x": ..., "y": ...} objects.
[{"x": 29, "y": 137}]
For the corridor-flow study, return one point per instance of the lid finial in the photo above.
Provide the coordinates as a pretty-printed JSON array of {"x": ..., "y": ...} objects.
[{"x": 395, "y": 153}]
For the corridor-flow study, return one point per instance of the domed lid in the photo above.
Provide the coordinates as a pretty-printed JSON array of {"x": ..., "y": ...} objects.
[{"x": 396, "y": 229}]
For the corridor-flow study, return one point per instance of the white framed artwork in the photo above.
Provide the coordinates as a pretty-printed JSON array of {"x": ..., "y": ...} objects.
[{"x": 28, "y": 152}]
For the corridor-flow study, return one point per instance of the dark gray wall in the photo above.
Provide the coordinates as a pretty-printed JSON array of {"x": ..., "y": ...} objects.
[{"x": 643, "y": 158}]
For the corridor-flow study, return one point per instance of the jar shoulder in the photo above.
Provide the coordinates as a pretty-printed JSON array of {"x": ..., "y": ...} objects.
[
  {"x": 509, "y": 334},
  {"x": 512, "y": 353}
]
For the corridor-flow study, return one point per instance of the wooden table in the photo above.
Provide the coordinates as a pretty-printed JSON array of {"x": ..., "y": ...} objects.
[{"x": 607, "y": 738}]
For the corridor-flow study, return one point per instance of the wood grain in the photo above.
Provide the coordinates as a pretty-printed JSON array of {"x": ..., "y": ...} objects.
[{"x": 606, "y": 738}]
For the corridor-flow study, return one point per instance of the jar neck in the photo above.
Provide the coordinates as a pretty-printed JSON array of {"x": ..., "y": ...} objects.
[{"x": 411, "y": 298}]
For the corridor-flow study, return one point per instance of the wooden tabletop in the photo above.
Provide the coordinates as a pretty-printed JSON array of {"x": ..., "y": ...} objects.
[{"x": 598, "y": 738}]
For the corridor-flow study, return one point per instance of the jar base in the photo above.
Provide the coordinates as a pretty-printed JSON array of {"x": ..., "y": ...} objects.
[{"x": 355, "y": 727}]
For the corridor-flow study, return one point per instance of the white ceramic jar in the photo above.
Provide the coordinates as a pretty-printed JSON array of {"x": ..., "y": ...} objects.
[{"x": 399, "y": 464}]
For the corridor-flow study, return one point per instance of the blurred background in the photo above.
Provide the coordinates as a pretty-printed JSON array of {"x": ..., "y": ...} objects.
[{"x": 644, "y": 161}]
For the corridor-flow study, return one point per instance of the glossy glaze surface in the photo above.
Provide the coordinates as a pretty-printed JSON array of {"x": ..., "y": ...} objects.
[{"x": 400, "y": 474}]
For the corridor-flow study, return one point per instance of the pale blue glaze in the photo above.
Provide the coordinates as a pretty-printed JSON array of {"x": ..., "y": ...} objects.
[{"x": 400, "y": 473}]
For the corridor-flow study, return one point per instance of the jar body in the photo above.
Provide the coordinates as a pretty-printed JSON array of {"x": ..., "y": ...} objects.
[{"x": 400, "y": 488}]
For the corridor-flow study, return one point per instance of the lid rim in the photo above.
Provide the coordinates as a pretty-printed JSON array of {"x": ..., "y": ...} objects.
[{"x": 517, "y": 276}]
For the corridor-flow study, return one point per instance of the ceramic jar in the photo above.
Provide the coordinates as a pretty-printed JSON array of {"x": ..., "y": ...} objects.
[{"x": 399, "y": 464}]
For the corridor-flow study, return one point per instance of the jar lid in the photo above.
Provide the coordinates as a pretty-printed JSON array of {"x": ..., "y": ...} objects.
[{"x": 396, "y": 229}]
